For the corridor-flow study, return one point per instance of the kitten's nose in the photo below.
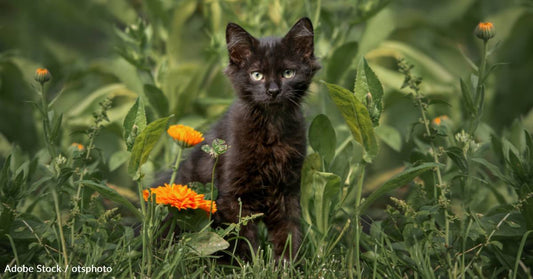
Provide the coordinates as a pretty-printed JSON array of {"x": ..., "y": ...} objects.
[{"x": 273, "y": 89}]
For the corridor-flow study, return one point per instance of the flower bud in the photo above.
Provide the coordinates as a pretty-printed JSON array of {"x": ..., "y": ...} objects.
[
  {"x": 485, "y": 30},
  {"x": 42, "y": 75},
  {"x": 368, "y": 98}
]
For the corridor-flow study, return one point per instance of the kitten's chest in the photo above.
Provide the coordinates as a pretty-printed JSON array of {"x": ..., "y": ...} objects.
[{"x": 271, "y": 154}]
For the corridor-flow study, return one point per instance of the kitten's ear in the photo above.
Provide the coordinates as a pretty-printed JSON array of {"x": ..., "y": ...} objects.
[
  {"x": 301, "y": 36},
  {"x": 240, "y": 43}
]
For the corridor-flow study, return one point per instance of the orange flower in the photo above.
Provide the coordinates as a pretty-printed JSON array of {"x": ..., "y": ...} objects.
[
  {"x": 79, "y": 146},
  {"x": 42, "y": 75},
  {"x": 180, "y": 197},
  {"x": 438, "y": 120},
  {"x": 484, "y": 30},
  {"x": 185, "y": 136}
]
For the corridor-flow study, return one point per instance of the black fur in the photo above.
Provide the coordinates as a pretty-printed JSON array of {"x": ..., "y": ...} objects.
[{"x": 266, "y": 131}]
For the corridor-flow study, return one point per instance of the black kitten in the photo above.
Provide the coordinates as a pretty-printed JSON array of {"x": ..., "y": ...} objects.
[{"x": 266, "y": 131}]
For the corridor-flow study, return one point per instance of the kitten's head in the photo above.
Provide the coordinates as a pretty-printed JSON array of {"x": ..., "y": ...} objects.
[{"x": 271, "y": 71}]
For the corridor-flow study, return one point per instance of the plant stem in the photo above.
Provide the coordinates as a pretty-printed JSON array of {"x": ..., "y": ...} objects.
[
  {"x": 212, "y": 187},
  {"x": 479, "y": 98},
  {"x": 144, "y": 227},
  {"x": 357, "y": 220},
  {"x": 438, "y": 175},
  {"x": 61, "y": 235},
  {"x": 46, "y": 124},
  {"x": 176, "y": 166},
  {"x": 481, "y": 72}
]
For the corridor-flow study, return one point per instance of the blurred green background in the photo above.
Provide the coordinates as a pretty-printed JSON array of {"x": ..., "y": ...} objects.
[{"x": 182, "y": 48}]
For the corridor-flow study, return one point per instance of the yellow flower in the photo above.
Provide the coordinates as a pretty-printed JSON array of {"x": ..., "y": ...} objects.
[
  {"x": 180, "y": 197},
  {"x": 42, "y": 75},
  {"x": 485, "y": 30},
  {"x": 438, "y": 120},
  {"x": 185, "y": 136},
  {"x": 79, "y": 146}
]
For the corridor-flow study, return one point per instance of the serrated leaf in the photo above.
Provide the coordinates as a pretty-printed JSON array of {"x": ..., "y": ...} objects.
[
  {"x": 367, "y": 81},
  {"x": 322, "y": 137},
  {"x": 157, "y": 99},
  {"x": 341, "y": 60},
  {"x": 136, "y": 117},
  {"x": 397, "y": 181},
  {"x": 357, "y": 118},
  {"x": 144, "y": 143},
  {"x": 111, "y": 194}
]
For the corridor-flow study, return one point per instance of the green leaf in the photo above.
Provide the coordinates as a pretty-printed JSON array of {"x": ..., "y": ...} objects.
[
  {"x": 341, "y": 60},
  {"x": 56, "y": 130},
  {"x": 111, "y": 194},
  {"x": 144, "y": 144},
  {"x": 312, "y": 163},
  {"x": 456, "y": 154},
  {"x": 467, "y": 97},
  {"x": 136, "y": 117},
  {"x": 356, "y": 116},
  {"x": 117, "y": 159},
  {"x": 397, "y": 181},
  {"x": 367, "y": 81},
  {"x": 326, "y": 188},
  {"x": 157, "y": 99},
  {"x": 206, "y": 243},
  {"x": 322, "y": 137},
  {"x": 220, "y": 146},
  {"x": 390, "y": 136}
]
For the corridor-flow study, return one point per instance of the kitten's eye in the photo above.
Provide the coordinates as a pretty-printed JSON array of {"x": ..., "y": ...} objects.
[
  {"x": 256, "y": 76},
  {"x": 288, "y": 73}
]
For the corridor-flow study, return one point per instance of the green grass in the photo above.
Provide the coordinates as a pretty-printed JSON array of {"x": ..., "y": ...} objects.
[{"x": 388, "y": 191}]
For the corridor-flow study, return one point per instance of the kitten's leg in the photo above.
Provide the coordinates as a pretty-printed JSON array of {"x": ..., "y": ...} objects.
[{"x": 284, "y": 221}]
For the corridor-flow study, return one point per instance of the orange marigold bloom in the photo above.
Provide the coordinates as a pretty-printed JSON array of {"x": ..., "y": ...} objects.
[
  {"x": 438, "y": 120},
  {"x": 185, "y": 136},
  {"x": 42, "y": 75},
  {"x": 180, "y": 197},
  {"x": 484, "y": 30},
  {"x": 79, "y": 146}
]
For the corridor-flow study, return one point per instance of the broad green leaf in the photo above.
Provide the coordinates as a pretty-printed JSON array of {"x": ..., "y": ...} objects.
[
  {"x": 111, "y": 194},
  {"x": 157, "y": 99},
  {"x": 390, "y": 136},
  {"x": 144, "y": 144},
  {"x": 206, "y": 243},
  {"x": 341, "y": 60},
  {"x": 322, "y": 137},
  {"x": 356, "y": 116},
  {"x": 136, "y": 117},
  {"x": 312, "y": 163},
  {"x": 117, "y": 159},
  {"x": 397, "y": 181},
  {"x": 326, "y": 187}
]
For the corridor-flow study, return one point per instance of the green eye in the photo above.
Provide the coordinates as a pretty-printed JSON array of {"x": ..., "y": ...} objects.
[
  {"x": 288, "y": 73},
  {"x": 256, "y": 75}
]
